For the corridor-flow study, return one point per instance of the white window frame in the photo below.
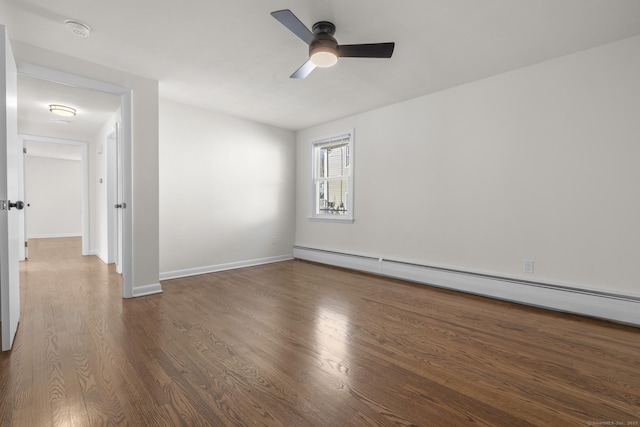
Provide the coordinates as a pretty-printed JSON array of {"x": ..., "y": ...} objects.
[{"x": 316, "y": 144}]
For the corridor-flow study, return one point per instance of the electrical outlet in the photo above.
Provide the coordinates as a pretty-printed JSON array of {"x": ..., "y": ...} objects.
[
  {"x": 527, "y": 266},
  {"x": 274, "y": 240}
]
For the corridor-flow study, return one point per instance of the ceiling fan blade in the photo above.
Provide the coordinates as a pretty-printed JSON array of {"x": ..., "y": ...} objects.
[
  {"x": 291, "y": 21},
  {"x": 372, "y": 50},
  {"x": 304, "y": 71}
]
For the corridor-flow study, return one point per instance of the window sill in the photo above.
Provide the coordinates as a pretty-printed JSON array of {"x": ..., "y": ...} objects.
[{"x": 331, "y": 219}]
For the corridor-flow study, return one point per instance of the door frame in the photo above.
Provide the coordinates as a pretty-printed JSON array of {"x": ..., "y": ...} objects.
[
  {"x": 22, "y": 190},
  {"x": 126, "y": 120},
  {"x": 85, "y": 181}
]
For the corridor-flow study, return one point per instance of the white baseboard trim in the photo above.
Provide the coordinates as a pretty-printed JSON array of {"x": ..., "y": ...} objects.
[
  {"x": 604, "y": 305},
  {"x": 168, "y": 275},
  {"x": 141, "y": 291},
  {"x": 99, "y": 255},
  {"x": 53, "y": 236}
]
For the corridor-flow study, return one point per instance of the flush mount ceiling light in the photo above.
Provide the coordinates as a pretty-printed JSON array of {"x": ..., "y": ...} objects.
[
  {"x": 62, "y": 110},
  {"x": 77, "y": 28},
  {"x": 323, "y": 56}
]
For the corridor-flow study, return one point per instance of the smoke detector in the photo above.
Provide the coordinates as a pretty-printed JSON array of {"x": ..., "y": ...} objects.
[{"x": 77, "y": 28}]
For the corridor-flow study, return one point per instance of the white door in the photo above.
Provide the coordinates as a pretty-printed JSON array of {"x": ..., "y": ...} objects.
[
  {"x": 114, "y": 198},
  {"x": 120, "y": 197},
  {"x": 10, "y": 156}
]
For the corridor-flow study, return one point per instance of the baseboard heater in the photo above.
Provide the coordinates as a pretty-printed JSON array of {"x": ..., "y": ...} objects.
[{"x": 604, "y": 305}]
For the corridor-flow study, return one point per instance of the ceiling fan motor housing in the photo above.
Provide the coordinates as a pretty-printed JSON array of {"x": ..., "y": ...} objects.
[{"x": 324, "y": 27}]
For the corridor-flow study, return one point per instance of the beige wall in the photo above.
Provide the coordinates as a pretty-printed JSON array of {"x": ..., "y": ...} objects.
[{"x": 540, "y": 163}]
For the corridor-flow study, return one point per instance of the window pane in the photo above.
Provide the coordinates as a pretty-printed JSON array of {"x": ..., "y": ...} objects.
[
  {"x": 322, "y": 168},
  {"x": 332, "y": 197},
  {"x": 333, "y": 161}
]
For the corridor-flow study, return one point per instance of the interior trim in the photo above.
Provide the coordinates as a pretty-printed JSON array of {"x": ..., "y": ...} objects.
[
  {"x": 54, "y": 236},
  {"x": 143, "y": 291},
  {"x": 176, "y": 274}
]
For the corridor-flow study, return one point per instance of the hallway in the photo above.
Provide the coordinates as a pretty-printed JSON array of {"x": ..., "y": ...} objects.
[{"x": 66, "y": 301}]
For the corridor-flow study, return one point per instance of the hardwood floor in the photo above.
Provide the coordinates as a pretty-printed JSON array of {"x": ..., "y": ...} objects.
[{"x": 300, "y": 344}]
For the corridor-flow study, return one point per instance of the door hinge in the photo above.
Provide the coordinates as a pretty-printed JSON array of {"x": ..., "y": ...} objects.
[{"x": 4, "y": 205}]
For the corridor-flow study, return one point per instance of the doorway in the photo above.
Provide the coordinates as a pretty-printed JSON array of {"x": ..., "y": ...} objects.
[
  {"x": 56, "y": 189},
  {"x": 97, "y": 155}
]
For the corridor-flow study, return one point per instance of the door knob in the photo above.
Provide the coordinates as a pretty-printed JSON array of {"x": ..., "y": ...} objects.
[
  {"x": 18, "y": 205},
  {"x": 121, "y": 206}
]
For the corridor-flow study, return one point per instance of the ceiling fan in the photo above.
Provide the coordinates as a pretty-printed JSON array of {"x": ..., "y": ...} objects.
[{"x": 324, "y": 50}]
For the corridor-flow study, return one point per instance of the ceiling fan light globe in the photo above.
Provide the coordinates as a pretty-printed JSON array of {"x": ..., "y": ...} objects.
[{"x": 324, "y": 58}]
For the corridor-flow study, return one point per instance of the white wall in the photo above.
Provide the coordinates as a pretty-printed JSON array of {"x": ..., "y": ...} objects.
[
  {"x": 54, "y": 188},
  {"x": 539, "y": 163},
  {"x": 227, "y": 187}
]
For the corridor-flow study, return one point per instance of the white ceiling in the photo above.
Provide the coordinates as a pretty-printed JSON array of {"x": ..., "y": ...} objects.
[
  {"x": 233, "y": 57},
  {"x": 93, "y": 109}
]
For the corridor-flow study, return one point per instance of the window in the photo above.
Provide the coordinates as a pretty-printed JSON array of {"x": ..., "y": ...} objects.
[{"x": 333, "y": 177}]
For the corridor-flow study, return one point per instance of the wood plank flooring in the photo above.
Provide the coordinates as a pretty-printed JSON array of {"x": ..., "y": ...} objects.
[{"x": 300, "y": 344}]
